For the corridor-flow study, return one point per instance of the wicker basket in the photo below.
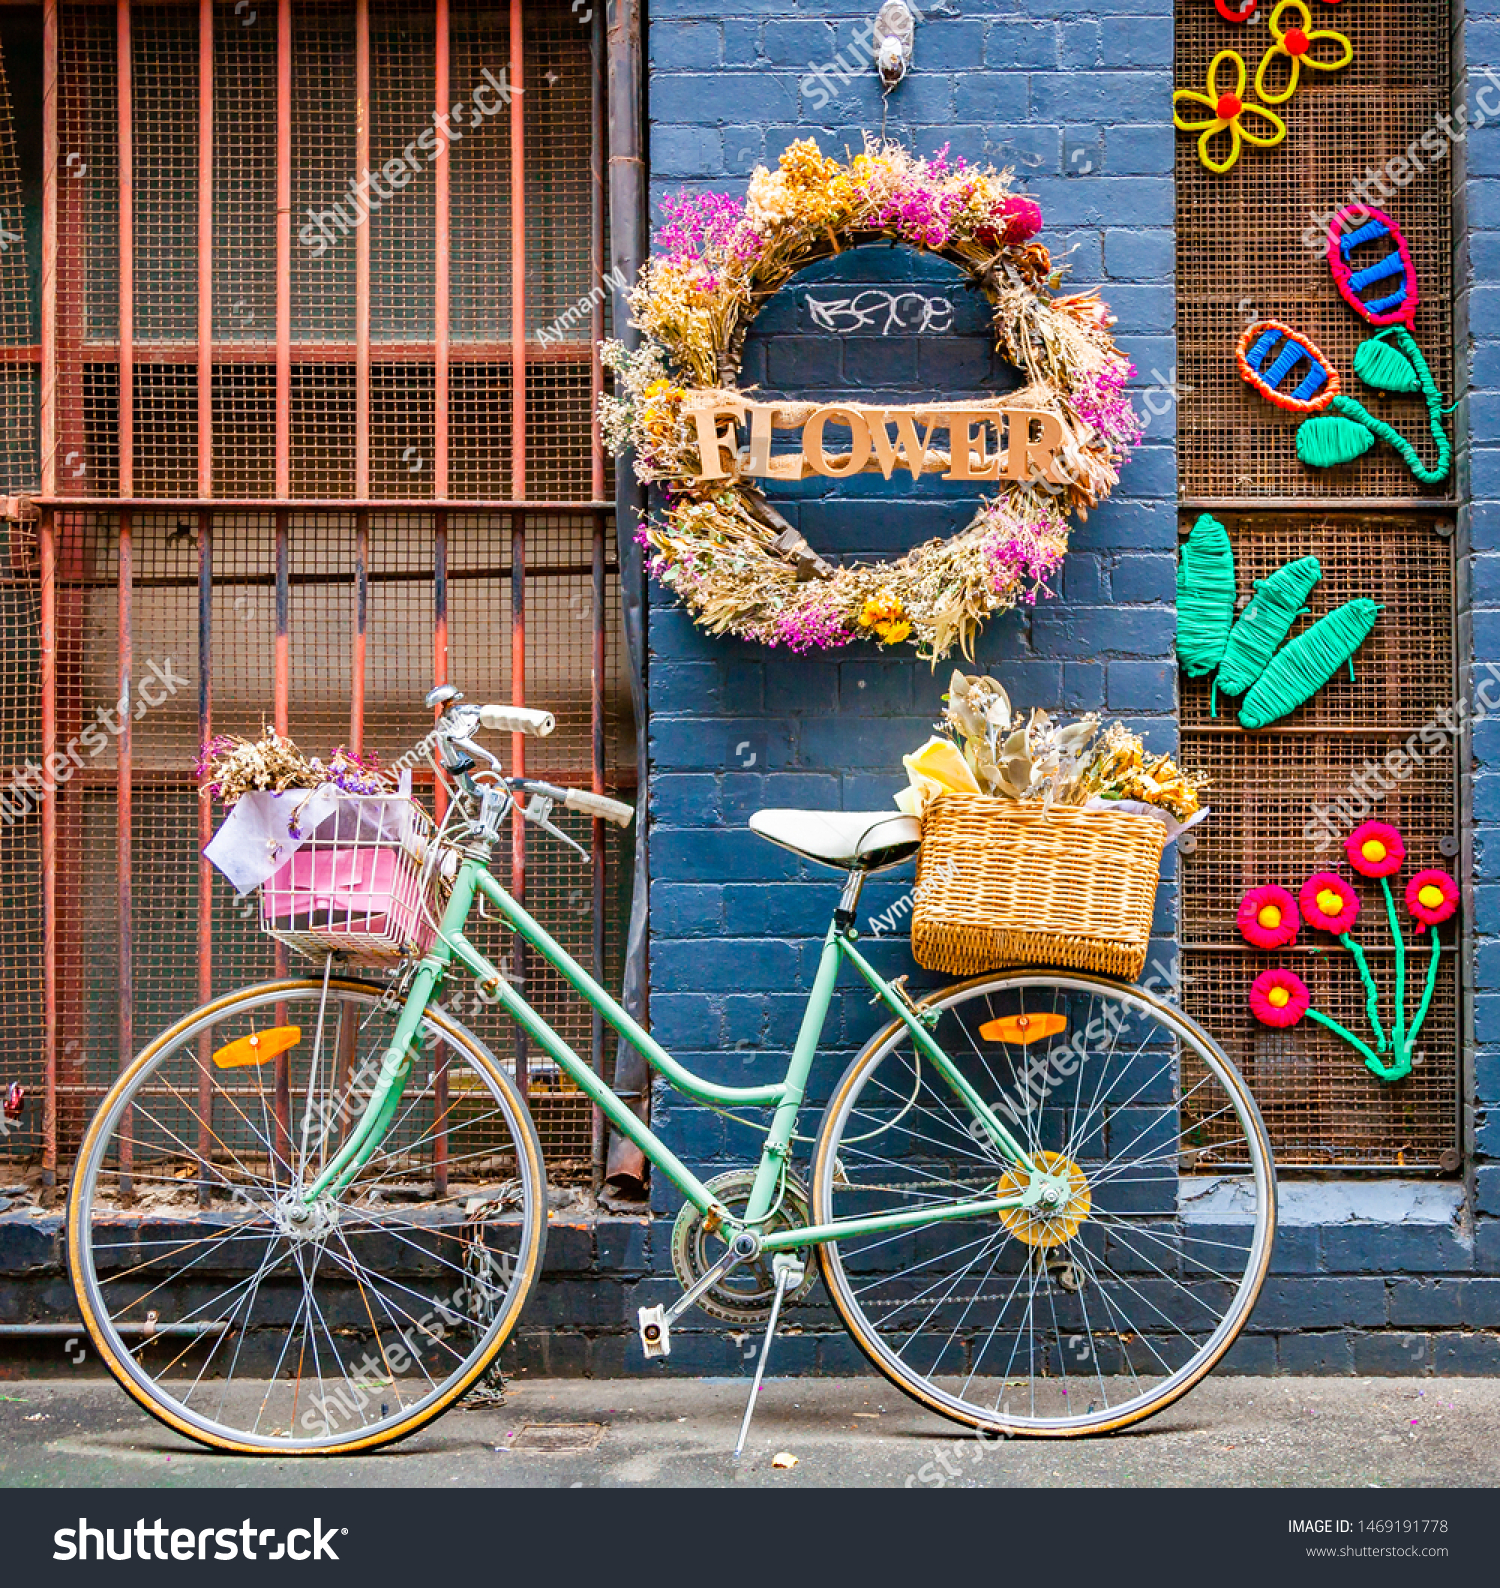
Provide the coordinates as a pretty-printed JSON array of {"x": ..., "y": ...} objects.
[{"x": 1002, "y": 883}]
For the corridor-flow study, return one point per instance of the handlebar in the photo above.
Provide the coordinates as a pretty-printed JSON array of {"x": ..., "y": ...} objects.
[
  {"x": 580, "y": 799},
  {"x": 517, "y": 719}
]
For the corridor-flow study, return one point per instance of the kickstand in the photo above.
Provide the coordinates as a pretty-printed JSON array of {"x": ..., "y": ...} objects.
[{"x": 789, "y": 1274}]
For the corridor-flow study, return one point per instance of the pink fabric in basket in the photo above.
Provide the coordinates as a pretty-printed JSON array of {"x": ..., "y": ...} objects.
[{"x": 350, "y": 886}]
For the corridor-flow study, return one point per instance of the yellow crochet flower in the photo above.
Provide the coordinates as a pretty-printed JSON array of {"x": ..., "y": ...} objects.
[
  {"x": 1229, "y": 110},
  {"x": 1296, "y": 43}
]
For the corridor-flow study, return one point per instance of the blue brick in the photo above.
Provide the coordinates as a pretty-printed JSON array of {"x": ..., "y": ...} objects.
[
  {"x": 1467, "y": 1355},
  {"x": 1082, "y": 579},
  {"x": 1428, "y": 1303},
  {"x": 686, "y": 45},
  {"x": 1139, "y": 255},
  {"x": 1319, "y": 1303},
  {"x": 733, "y": 855},
  {"x": 1079, "y": 45},
  {"x": 1014, "y": 42},
  {"x": 797, "y": 44},
  {"x": 1487, "y": 1189},
  {"x": 1104, "y": 97},
  {"x": 1143, "y": 578},
  {"x": 1316, "y": 1354},
  {"x": 1139, "y": 631},
  {"x": 1387, "y": 1354},
  {"x": 1082, "y": 686},
  {"x": 1141, "y": 686},
  {"x": 1400, "y": 1248},
  {"x": 1135, "y": 41},
  {"x": 683, "y": 909},
  {"x": 722, "y": 97},
  {"x": 686, "y": 151},
  {"x": 685, "y": 965},
  {"x": 686, "y": 1020},
  {"x": 991, "y": 98}
]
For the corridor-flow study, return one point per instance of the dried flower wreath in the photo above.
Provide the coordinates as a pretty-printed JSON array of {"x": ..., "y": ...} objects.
[{"x": 737, "y": 564}]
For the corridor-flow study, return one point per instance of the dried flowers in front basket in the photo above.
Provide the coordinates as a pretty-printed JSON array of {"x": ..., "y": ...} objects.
[
  {"x": 1041, "y": 840},
  {"x": 344, "y": 859}
]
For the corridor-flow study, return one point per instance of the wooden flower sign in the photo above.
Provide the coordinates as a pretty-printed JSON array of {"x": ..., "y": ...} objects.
[
  {"x": 1052, "y": 447},
  {"x": 984, "y": 442}
]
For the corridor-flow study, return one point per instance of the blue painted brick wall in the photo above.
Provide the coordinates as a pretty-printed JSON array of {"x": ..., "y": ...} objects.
[{"x": 1077, "y": 101}]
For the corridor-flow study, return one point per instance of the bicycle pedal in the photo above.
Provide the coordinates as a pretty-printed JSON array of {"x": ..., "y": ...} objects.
[{"x": 656, "y": 1332}]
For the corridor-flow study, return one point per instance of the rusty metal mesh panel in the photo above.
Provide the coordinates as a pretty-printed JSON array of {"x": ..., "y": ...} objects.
[
  {"x": 19, "y": 353},
  {"x": 324, "y": 248},
  {"x": 1320, "y": 1104},
  {"x": 20, "y": 843},
  {"x": 163, "y": 940},
  {"x": 1241, "y": 254}
]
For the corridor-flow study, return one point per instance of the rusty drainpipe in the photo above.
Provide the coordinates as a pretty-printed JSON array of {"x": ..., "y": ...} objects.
[{"x": 625, "y": 1169}]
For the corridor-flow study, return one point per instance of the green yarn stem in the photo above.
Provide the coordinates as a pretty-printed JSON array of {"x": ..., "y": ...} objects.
[
  {"x": 1213, "y": 697},
  {"x": 1383, "y": 1072},
  {"x": 1398, "y": 1034},
  {"x": 1372, "y": 995},
  {"x": 1351, "y": 409},
  {"x": 1432, "y": 972}
]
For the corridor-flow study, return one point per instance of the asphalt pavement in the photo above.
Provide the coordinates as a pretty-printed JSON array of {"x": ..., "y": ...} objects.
[{"x": 857, "y": 1432}]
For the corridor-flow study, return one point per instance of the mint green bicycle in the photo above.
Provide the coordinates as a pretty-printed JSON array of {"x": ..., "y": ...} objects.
[{"x": 306, "y": 1218}]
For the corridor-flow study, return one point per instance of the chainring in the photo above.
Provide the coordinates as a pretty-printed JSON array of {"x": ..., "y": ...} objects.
[{"x": 744, "y": 1295}]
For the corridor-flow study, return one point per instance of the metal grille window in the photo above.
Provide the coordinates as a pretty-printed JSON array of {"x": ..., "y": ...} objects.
[
  {"x": 321, "y": 296},
  {"x": 1249, "y": 248}
]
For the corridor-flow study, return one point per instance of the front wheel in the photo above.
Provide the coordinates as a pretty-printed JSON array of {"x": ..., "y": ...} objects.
[
  {"x": 1100, "y": 1310},
  {"x": 256, "y": 1320}
]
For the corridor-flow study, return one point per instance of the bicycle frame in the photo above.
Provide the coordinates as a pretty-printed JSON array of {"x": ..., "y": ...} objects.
[{"x": 474, "y": 880}]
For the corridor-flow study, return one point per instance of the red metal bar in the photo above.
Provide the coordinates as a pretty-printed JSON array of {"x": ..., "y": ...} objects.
[
  {"x": 205, "y": 832},
  {"x": 281, "y": 720},
  {"x": 596, "y": 742},
  {"x": 517, "y": 258},
  {"x": 205, "y": 254},
  {"x": 123, "y": 813},
  {"x": 440, "y": 805},
  {"x": 307, "y": 504},
  {"x": 127, "y": 250},
  {"x": 362, "y": 253},
  {"x": 596, "y": 260},
  {"x": 47, "y": 538},
  {"x": 518, "y": 766},
  {"x": 50, "y": 156},
  {"x": 361, "y": 606},
  {"x": 441, "y": 304},
  {"x": 283, "y": 247}
]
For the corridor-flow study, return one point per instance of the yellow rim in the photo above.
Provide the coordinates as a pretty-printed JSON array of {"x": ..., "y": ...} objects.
[{"x": 402, "y": 1430}]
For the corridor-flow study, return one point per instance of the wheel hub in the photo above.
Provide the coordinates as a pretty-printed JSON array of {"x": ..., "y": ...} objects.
[
  {"x": 1062, "y": 1204},
  {"x": 300, "y": 1220}
]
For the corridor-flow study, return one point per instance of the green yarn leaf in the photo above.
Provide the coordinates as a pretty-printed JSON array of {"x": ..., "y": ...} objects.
[
  {"x": 1301, "y": 668},
  {"x": 1384, "y": 367},
  {"x": 1265, "y": 623},
  {"x": 1205, "y": 596},
  {"x": 1326, "y": 440}
]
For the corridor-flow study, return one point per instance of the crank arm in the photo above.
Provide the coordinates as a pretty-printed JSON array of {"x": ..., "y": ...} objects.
[{"x": 725, "y": 1265}]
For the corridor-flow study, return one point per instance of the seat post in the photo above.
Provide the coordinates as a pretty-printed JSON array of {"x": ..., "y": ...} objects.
[{"x": 854, "y": 883}]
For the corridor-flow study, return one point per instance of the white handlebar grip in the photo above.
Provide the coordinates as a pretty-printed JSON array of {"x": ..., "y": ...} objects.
[
  {"x": 517, "y": 719},
  {"x": 615, "y": 811}
]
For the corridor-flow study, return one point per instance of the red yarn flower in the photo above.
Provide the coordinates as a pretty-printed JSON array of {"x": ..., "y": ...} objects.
[
  {"x": 1328, "y": 903},
  {"x": 1375, "y": 849},
  {"x": 1267, "y": 918},
  {"x": 1431, "y": 896},
  {"x": 1279, "y": 998},
  {"x": 1022, "y": 218}
]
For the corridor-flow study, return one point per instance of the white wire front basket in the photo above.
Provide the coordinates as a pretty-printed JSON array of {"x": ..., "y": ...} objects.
[{"x": 363, "y": 884}]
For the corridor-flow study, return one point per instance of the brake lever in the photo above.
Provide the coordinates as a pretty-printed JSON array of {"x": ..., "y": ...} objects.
[{"x": 538, "y": 809}]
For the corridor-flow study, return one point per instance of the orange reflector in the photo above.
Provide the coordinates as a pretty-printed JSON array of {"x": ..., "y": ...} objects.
[
  {"x": 1023, "y": 1028},
  {"x": 257, "y": 1047}
]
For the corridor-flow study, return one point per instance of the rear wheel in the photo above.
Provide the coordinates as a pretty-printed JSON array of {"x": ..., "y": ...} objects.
[
  {"x": 254, "y": 1321},
  {"x": 1101, "y": 1309}
]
